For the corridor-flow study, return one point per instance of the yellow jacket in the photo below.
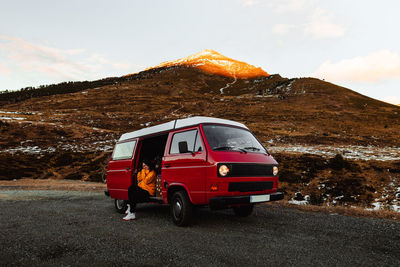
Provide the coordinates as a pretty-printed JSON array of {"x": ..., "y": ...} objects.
[{"x": 147, "y": 181}]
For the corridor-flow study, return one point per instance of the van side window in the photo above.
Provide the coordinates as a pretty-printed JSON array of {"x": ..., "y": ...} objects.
[
  {"x": 198, "y": 145},
  {"x": 188, "y": 136},
  {"x": 123, "y": 150}
]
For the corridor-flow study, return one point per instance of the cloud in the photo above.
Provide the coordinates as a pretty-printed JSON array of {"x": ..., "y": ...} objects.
[
  {"x": 290, "y": 5},
  {"x": 27, "y": 59},
  {"x": 4, "y": 70},
  {"x": 116, "y": 65},
  {"x": 316, "y": 23},
  {"x": 283, "y": 29},
  {"x": 321, "y": 26},
  {"x": 374, "y": 67},
  {"x": 25, "y": 56}
]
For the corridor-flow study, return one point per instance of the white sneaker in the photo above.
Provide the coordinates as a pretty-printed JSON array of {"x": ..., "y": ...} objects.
[
  {"x": 130, "y": 216},
  {"x": 128, "y": 209}
]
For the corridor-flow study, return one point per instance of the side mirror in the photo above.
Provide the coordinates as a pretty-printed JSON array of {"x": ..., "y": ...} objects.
[{"x": 183, "y": 147}]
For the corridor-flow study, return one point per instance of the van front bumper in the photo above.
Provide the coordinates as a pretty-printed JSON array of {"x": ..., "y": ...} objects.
[{"x": 224, "y": 202}]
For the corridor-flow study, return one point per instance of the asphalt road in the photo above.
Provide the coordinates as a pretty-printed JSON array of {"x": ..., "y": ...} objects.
[{"x": 81, "y": 228}]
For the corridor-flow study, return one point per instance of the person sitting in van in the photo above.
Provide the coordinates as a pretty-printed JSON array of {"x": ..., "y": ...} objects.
[{"x": 141, "y": 191}]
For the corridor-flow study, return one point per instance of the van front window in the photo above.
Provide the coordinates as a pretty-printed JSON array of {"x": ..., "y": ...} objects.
[{"x": 225, "y": 138}]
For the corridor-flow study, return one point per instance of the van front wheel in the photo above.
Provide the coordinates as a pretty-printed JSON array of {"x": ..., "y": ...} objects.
[
  {"x": 120, "y": 205},
  {"x": 181, "y": 208},
  {"x": 243, "y": 211}
]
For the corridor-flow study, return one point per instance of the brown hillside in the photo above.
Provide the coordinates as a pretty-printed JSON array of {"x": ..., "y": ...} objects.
[
  {"x": 305, "y": 110},
  {"x": 71, "y": 135}
]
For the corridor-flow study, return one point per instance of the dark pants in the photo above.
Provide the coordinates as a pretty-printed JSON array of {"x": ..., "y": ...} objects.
[{"x": 137, "y": 195}]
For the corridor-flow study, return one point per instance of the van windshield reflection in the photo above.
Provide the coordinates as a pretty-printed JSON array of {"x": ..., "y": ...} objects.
[{"x": 225, "y": 138}]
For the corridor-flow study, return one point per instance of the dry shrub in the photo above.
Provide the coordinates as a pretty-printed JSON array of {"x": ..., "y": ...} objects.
[{"x": 339, "y": 163}]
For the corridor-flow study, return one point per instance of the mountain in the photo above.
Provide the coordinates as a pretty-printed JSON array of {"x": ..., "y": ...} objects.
[
  {"x": 68, "y": 131},
  {"x": 212, "y": 62}
]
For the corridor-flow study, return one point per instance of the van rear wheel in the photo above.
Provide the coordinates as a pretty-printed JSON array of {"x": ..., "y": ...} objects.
[
  {"x": 104, "y": 176},
  {"x": 243, "y": 211},
  {"x": 120, "y": 205},
  {"x": 181, "y": 208}
]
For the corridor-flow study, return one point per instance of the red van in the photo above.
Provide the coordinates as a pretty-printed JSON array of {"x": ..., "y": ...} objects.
[{"x": 199, "y": 161}]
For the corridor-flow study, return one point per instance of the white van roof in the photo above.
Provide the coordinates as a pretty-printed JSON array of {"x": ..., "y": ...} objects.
[{"x": 176, "y": 124}]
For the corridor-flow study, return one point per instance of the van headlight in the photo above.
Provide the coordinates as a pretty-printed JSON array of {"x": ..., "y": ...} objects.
[
  {"x": 275, "y": 170},
  {"x": 223, "y": 170}
]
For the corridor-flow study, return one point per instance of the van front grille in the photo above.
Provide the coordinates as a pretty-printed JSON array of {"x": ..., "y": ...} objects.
[
  {"x": 248, "y": 169},
  {"x": 250, "y": 186}
]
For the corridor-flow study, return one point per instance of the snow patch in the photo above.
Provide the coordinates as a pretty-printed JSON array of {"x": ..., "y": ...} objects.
[
  {"x": 348, "y": 152},
  {"x": 29, "y": 150},
  {"x": 298, "y": 202},
  {"x": 228, "y": 84},
  {"x": 267, "y": 96},
  {"x": 21, "y": 113},
  {"x": 146, "y": 124},
  {"x": 11, "y": 118}
]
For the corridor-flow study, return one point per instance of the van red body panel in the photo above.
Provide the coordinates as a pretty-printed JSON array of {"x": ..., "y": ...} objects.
[
  {"x": 234, "y": 156},
  {"x": 119, "y": 173},
  {"x": 188, "y": 169},
  {"x": 171, "y": 185}
]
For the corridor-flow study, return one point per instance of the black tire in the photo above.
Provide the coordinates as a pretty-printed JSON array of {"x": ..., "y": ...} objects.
[
  {"x": 243, "y": 211},
  {"x": 120, "y": 205},
  {"x": 181, "y": 208}
]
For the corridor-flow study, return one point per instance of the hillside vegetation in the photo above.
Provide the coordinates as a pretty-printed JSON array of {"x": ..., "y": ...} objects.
[{"x": 69, "y": 132}]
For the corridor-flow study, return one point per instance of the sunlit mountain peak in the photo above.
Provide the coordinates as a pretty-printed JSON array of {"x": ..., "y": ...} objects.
[{"x": 213, "y": 62}]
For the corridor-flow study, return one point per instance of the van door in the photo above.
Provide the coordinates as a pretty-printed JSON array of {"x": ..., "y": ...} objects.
[
  {"x": 119, "y": 170},
  {"x": 184, "y": 162}
]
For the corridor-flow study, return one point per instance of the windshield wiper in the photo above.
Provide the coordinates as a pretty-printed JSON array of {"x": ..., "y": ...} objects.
[
  {"x": 229, "y": 148},
  {"x": 241, "y": 149},
  {"x": 252, "y": 148},
  {"x": 223, "y": 148}
]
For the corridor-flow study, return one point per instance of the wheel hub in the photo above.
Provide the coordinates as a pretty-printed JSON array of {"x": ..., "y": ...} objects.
[{"x": 177, "y": 208}]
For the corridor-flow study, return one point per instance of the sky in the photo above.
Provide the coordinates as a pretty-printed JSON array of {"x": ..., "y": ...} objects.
[{"x": 354, "y": 44}]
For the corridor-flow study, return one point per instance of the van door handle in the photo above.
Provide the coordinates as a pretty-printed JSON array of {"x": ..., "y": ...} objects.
[
  {"x": 167, "y": 166},
  {"x": 127, "y": 169}
]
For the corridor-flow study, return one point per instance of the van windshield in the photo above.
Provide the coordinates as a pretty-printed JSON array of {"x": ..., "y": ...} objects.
[{"x": 225, "y": 138}]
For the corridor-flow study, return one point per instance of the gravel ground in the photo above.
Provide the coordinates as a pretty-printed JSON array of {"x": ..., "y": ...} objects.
[{"x": 82, "y": 228}]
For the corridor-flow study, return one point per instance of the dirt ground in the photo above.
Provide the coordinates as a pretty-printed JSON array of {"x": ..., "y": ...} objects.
[
  {"x": 82, "y": 228},
  {"x": 49, "y": 184},
  {"x": 76, "y": 185}
]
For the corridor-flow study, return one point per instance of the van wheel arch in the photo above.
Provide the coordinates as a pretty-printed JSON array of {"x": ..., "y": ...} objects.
[{"x": 174, "y": 188}]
